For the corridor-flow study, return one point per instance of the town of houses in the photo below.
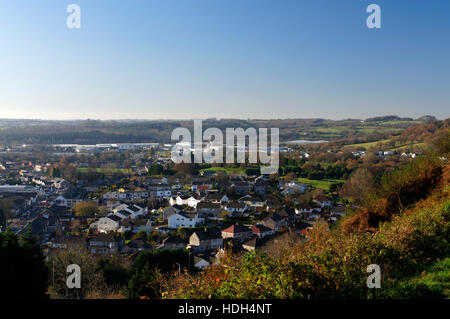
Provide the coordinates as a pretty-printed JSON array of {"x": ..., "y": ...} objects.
[{"x": 240, "y": 211}]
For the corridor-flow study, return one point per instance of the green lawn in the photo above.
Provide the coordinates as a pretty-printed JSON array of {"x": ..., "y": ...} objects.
[{"x": 322, "y": 184}]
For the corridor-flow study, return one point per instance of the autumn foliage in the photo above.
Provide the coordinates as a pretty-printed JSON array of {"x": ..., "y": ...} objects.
[
  {"x": 404, "y": 228},
  {"x": 399, "y": 190}
]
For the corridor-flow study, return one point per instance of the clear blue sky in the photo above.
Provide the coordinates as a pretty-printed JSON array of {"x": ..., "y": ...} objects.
[{"x": 224, "y": 58}]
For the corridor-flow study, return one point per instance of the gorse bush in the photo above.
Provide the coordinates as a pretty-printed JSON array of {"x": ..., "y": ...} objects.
[{"x": 400, "y": 190}]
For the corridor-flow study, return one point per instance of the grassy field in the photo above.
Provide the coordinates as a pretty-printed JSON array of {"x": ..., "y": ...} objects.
[
  {"x": 333, "y": 129},
  {"x": 392, "y": 123},
  {"x": 415, "y": 146},
  {"x": 368, "y": 145},
  {"x": 340, "y": 129},
  {"x": 381, "y": 129},
  {"x": 322, "y": 184},
  {"x": 386, "y": 127},
  {"x": 365, "y": 145}
]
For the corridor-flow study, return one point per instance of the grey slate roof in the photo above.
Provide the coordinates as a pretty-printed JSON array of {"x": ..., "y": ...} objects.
[{"x": 208, "y": 234}]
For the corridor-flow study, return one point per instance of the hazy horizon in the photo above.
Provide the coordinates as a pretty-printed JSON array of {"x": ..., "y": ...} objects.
[
  {"x": 212, "y": 118},
  {"x": 226, "y": 59}
]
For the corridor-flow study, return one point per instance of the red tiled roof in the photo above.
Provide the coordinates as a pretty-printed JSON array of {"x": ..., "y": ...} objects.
[
  {"x": 236, "y": 229},
  {"x": 259, "y": 229}
]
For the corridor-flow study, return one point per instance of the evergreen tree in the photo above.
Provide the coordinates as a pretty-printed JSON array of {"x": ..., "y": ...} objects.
[{"x": 23, "y": 271}]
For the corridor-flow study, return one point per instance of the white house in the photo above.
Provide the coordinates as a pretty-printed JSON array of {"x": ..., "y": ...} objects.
[
  {"x": 323, "y": 201},
  {"x": 184, "y": 219},
  {"x": 236, "y": 208},
  {"x": 192, "y": 201},
  {"x": 108, "y": 224},
  {"x": 184, "y": 200},
  {"x": 179, "y": 200},
  {"x": 67, "y": 202},
  {"x": 292, "y": 188}
]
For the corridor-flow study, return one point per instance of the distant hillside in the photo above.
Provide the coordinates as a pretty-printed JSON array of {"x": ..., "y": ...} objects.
[
  {"x": 427, "y": 119},
  {"x": 17, "y": 132},
  {"x": 412, "y": 138},
  {"x": 388, "y": 118}
]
